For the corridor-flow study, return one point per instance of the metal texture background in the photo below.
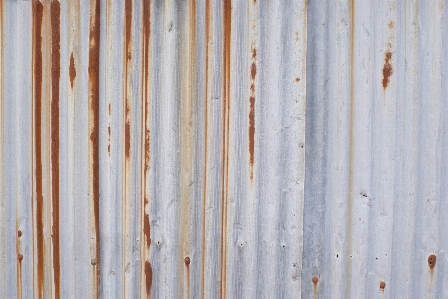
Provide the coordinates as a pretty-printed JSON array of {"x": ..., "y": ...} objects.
[
  {"x": 152, "y": 148},
  {"x": 157, "y": 149}
]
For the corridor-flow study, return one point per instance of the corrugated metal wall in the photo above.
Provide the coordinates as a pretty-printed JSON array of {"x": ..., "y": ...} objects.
[
  {"x": 152, "y": 148},
  {"x": 157, "y": 149}
]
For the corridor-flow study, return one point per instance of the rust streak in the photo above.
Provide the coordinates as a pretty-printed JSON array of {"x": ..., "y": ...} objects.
[
  {"x": 37, "y": 89},
  {"x": 225, "y": 166},
  {"x": 187, "y": 264},
  {"x": 148, "y": 277},
  {"x": 55, "y": 10},
  {"x": 204, "y": 195},
  {"x": 128, "y": 56},
  {"x": 94, "y": 99},
  {"x": 253, "y": 73},
  {"x": 387, "y": 69},
  {"x": 72, "y": 69},
  {"x": 315, "y": 280}
]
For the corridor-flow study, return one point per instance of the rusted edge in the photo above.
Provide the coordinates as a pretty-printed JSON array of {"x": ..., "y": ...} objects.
[
  {"x": 94, "y": 100},
  {"x": 55, "y": 10},
  {"x": 204, "y": 194},
  {"x": 225, "y": 165},
  {"x": 72, "y": 70},
  {"x": 253, "y": 73},
  {"x": 37, "y": 96}
]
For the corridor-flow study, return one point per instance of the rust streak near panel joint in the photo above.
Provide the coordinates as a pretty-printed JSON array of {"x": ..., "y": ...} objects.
[
  {"x": 204, "y": 194},
  {"x": 387, "y": 69},
  {"x": 72, "y": 70},
  {"x": 225, "y": 158},
  {"x": 146, "y": 19},
  {"x": 94, "y": 99},
  {"x": 315, "y": 280},
  {"x": 253, "y": 73},
  {"x": 37, "y": 97},
  {"x": 55, "y": 10}
]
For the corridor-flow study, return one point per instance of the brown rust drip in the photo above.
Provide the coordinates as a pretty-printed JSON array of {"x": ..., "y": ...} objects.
[
  {"x": 128, "y": 56},
  {"x": 72, "y": 70},
  {"x": 94, "y": 99},
  {"x": 432, "y": 261},
  {"x": 387, "y": 69},
  {"x": 253, "y": 73},
  {"x": 37, "y": 96},
  {"x": 315, "y": 280},
  {"x": 225, "y": 142},
  {"x": 382, "y": 285},
  {"x": 55, "y": 10},
  {"x": 148, "y": 278}
]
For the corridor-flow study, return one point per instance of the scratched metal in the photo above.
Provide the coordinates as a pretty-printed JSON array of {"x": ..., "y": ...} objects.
[
  {"x": 375, "y": 215},
  {"x": 152, "y": 148}
]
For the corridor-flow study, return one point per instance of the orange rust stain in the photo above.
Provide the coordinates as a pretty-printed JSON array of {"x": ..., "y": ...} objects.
[
  {"x": 72, "y": 70},
  {"x": 391, "y": 24},
  {"x": 297, "y": 80},
  {"x": 225, "y": 141},
  {"x": 387, "y": 69},
  {"x": 94, "y": 99},
  {"x": 204, "y": 194},
  {"x": 253, "y": 73},
  {"x": 128, "y": 48},
  {"x": 147, "y": 228},
  {"x": 148, "y": 276},
  {"x": 382, "y": 285},
  {"x": 55, "y": 10},
  {"x": 432, "y": 261},
  {"x": 37, "y": 87},
  {"x": 20, "y": 257},
  {"x": 315, "y": 280}
]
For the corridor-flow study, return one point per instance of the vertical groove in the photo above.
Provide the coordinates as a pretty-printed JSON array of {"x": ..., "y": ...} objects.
[
  {"x": 94, "y": 98},
  {"x": 37, "y": 99},
  {"x": 204, "y": 196},
  {"x": 226, "y": 104},
  {"x": 55, "y": 10},
  {"x": 146, "y": 149}
]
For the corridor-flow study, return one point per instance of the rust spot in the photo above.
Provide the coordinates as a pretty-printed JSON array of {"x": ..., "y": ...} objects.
[
  {"x": 297, "y": 80},
  {"x": 19, "y": 233},
  {"x": 72, "y": 69},
  {"x": 315, "y": 280},
  {"x": 108, "y": 144},
  {"x": 147, "y": 228},
  {"x": 37, "y": 90},
  {"x": 391, "y": 25},
  {"x": 187, "y": 261},
  {"x": 387, "y": 69},
  {"x": 20, "y": 257},
  {"x": 94, "y": 99},
  {"x": 127, "y": 138},
  {"x": 55, "y": 10},
  {"x": 253, "y": 73},
  {"x": 382, "y": 285},
  {"x": 253, "y": 70},
  {"x": 432, "y": 261},
  {"x": 148, "y": 276}
]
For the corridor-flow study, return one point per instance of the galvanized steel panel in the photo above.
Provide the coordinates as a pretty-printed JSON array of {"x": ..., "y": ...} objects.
[{"x": 152, "y": 148}]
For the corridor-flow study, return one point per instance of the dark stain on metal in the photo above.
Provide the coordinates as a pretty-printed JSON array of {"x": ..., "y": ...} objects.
[
  {"x": 253, "y": 73},
  {"x": 19, "y": 233},
  {"x": 204, "y": 194},
  {"x": 297, "y": 80},
  {"x": 315, "y": 280},
  {"x": 55, "y": 10},
  {"x": 391, "y": 25},
  {"x": 382, "y": 285},
  {"x": 148, "y": 277},
  {"x": 72, "y": 69},
  {"x": 20, "y": 257},
  {"x": 187, "y": 261},
  {"x": 94, "y": 100},
  {"x": 227, "y": 28},
  {"x": 37, "y": 96},
  {"x": 387, "y": 69},
  {"x": 432, "y": 261},
  {"x": 128, "y": 49}
]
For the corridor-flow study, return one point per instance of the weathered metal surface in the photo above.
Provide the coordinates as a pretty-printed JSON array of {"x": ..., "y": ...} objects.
[
  {"x": 376, "y": 143},
  {"x": 152, "y": 148}
]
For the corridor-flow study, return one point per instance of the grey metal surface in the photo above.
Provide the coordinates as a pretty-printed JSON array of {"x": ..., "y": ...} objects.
[
  {"x": 152, "y": 148},
  {"x": 376, "y": 150}
]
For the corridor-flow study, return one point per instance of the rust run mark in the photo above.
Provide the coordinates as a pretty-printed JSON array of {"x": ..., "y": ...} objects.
[
  {"x": 432, "y": 261},
  {"x": 72, "y": 70},
  {"x": 128, "y": 56},
  {"x": 94, "y": 100},
  {"x": 382, "y": 285},
  {"x": 387, "y": 69},
  {"x": 37, "y": 95},
  {"x": 55, "y": 10},
  {"x": 148, "y": 276},
  {"x": 253, "y": 73}
]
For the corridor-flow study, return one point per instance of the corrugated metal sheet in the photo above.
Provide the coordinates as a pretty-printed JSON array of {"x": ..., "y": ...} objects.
[
  {"x": 157, "y": 149},
  {"x": 152, "y": 148},
  {"x": 375, "y": 215}
]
